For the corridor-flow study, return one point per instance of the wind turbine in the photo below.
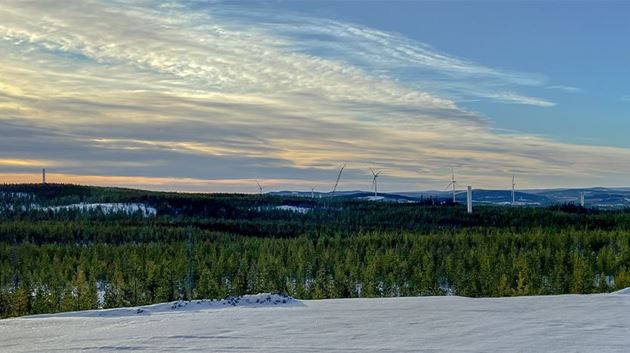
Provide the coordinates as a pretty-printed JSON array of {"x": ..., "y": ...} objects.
[
  {"x": 313, "y": 192},
  {"x": 374, "y": 183},
  {"x": 338, "y": 178},
  {"x": 260, "y": 188},
  {"x": 453, "y": 183},
  {"x": 513, "y": 193}
]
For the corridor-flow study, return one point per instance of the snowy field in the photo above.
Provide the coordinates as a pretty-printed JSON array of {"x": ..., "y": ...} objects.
[
  {"x": 573, "y": 323},
  {"x": 105, "y": 208},
  {"x": 108, "y": 208}
]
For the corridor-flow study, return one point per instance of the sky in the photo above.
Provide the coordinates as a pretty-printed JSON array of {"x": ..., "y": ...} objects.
[{"x": 213, "y": 96}]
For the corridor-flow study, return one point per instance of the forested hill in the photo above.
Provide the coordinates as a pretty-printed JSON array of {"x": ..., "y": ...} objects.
[
  {"x": 282, "y": 216},
  {"x": 69, "y": 247}
]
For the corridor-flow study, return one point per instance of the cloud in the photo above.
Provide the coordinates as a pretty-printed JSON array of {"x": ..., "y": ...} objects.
[
  {"x": 568, "y": 89},
  {"x": 116, "y": 92},
  {"x": 513, "y": 98},
  {"x": 415, "y": 64}
]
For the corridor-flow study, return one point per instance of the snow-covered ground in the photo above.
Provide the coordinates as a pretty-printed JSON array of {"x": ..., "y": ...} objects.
[
  {"x": 290, "y": 208},
  {"x": 108, "y": 208},
  {"x": 287, "y": 208},
  {"x": 372, "y": 198},
  {"x": 571, "y": 323}
]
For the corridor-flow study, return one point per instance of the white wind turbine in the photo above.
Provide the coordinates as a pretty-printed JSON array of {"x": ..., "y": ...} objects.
[
  {"x": 313, "y": 192},
  {"x": 375, "y": 175},
  {"x": 338, "y": 178},
  {"x": 452, "y": 183},
  {"x": 513, "y": 188}
]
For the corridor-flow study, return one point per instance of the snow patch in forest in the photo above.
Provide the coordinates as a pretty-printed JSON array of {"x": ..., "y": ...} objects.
[
  {"x": 290, "y": 208},
  {"x": 17, "y": 195},
  {"x": 285, "y": 208},
  {"x": 108, "y": 208},
  {"x": 373, "y": 198}
]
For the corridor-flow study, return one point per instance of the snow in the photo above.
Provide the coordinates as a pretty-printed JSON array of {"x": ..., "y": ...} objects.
[
  {"x": 289, "y": 208},
  {"x": 286, "y": 208},
  {"x": 18, "y": 195},
  {"x": 553, "y": 324},
  {"x": 373, "y": 198},
  {"x": 108, "y": 208},
  {"x": 625, "y": 291}
]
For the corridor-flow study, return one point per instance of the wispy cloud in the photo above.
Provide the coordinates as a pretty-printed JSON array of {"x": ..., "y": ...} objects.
[
  {"x": 415, "y": 64},
  {"x": 513, "y": 98},
  {"x": 568, "y": 89},
  {"x": 134, "y": 91}
]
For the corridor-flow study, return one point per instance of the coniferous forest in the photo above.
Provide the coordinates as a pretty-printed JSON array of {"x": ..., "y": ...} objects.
[{"x": 56, "y": 259}]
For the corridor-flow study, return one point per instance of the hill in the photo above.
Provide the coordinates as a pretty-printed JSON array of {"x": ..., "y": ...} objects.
[
  {"x": 552, "y": 324},
  {"x": 69, "y": 247},
  {"x": 596, "y": 197}
]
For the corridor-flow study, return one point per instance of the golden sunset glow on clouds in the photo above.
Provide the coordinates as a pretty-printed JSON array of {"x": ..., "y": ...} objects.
[{"x": 162, "y": 97}]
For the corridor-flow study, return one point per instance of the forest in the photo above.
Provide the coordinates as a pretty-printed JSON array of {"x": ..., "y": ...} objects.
[{"x": 195, "y": 246}]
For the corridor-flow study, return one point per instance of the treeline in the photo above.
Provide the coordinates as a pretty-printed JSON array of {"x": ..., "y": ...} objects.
[
  {"x": 60, "y": 277},
  {"x": 347, "y": 218},
  {"x": 211, "y": 246}
]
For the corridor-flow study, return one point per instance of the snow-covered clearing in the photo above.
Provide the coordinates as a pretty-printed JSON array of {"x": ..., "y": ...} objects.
[
  {"x": 372, "y": 198},
  {"x": 290, "y": 208},
  {"x": 108, "y": 208},
  {"x": 571, "y": 323},
  {"x": 286, "y": 208}
]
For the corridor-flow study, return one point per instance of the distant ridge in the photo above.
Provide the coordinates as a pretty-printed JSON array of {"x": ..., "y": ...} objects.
[{"x": 597, "y": 197}]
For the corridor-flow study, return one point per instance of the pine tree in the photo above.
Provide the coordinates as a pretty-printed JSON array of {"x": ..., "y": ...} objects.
[
  {"x": 504, "y": 289},
  {"x": 21, "y": 302}
]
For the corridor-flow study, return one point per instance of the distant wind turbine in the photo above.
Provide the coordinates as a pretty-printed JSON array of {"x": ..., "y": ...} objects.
[
  {"x": 375, "y": 175},
  {"x": 513, "y": 193},
  {"x": 313, "y": 192},
  {"x": 452, "y": 183},
  {"x": 260, "y": 188},
  {"x": 338, "y": 178}
]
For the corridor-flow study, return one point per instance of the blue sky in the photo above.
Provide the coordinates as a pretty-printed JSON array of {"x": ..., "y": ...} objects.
[
  {"x": 212, "y": 96},
  {"x": 578, "y": 47}
]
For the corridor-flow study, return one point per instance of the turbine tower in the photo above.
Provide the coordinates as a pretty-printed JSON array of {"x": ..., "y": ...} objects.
[
  {"x": 313, "y": 192},
  {"x": 44, "y": 176},
  {"x": 338, "y": 178},
  {"x": 374, "y": 183},
  {"x": 513, "y": 194},
  {"x": 260, "y": 188},
  {"x": 452, "y": 183}
]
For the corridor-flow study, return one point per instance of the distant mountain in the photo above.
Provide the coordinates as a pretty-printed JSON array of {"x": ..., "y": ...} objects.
[
  {"x": 598, "y": 197},
  {"x": 594, "y": 197}
]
